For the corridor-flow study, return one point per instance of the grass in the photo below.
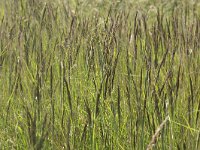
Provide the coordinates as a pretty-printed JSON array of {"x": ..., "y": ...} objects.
[{"x": 99, "y": 75}]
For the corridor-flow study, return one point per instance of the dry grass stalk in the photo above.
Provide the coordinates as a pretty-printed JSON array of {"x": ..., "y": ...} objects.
[{"x": 155, "y": 136}]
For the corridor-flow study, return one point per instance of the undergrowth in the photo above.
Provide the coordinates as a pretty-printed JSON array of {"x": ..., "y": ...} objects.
[{"x": 112, "y": 75}]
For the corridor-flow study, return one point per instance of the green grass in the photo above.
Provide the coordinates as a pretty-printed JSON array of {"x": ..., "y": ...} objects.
[{"x": 99, "y": 75}]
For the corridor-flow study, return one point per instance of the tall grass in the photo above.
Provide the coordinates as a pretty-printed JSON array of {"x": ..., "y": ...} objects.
[{"x": 108, "y": 77}]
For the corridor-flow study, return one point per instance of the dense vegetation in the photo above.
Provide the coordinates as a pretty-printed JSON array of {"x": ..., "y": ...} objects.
[{"x": 99, "y": 75}]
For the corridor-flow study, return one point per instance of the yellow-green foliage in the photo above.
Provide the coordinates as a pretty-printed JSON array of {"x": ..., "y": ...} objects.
[{"x": 99, "y": 74}]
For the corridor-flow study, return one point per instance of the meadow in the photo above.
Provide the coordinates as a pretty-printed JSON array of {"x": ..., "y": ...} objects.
[{"x": 99, "y": 75}]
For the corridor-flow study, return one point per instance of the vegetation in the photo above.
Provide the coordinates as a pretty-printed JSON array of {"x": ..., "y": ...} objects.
[{"x": 99, "y": 75}]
